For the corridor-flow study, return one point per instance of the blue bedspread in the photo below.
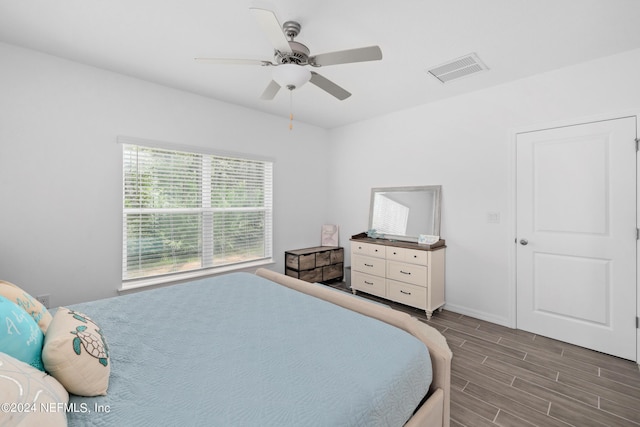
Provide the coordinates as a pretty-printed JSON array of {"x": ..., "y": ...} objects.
[{"x": 239, "y": 350}]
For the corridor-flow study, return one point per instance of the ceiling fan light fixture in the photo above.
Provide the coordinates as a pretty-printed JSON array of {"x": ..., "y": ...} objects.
[{"x": 291, "y": 76}]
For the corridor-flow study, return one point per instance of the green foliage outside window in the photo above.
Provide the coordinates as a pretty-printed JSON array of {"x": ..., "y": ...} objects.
[{"x": 186, "y": 211}]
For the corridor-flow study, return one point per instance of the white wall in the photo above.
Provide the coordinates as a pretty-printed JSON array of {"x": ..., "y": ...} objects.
[
  {"x": 463, "y": 144},
  {"x": 60, "y": 167},
  {"x": 61, "y": 173}
]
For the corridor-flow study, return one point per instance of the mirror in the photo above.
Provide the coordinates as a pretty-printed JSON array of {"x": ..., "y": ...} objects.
[{"x": 404, "y": 213}]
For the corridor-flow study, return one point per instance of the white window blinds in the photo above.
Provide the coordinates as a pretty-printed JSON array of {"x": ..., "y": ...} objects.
[{"x": 190, "y": 211}]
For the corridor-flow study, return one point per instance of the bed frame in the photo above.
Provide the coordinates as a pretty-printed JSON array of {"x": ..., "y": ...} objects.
[{"x": 434, "y": 411}]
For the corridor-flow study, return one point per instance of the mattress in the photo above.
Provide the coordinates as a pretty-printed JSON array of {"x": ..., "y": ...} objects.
[{"x": 240, "y": 350}]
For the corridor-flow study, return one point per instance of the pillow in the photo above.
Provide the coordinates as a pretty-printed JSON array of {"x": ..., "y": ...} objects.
[
  {"x": 76, "y": 353},
  {"x": 20, "y": 336},
  {"x": 27, "y": 303},
  {"x": 30, "y": 397}
]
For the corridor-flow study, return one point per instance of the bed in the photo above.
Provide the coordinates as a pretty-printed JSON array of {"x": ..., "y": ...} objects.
[{"x": 261, "y": 349}]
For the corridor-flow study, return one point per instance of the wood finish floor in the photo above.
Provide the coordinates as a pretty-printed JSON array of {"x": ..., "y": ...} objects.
[{"x": 506, "y": 377}]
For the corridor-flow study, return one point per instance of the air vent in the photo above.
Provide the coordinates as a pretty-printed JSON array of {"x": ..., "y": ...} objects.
[{"x": 458, "y": 68}]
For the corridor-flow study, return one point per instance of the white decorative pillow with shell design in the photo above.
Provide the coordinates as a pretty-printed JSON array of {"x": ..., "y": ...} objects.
[{"x": 30, "y": 397}]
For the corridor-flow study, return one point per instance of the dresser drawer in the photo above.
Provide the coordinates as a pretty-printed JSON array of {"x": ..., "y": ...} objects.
[
  {"x": 368, "y": 249},
  {"x": 407, "y": 255},
  {"x": 404, "y": 293},
  {"x": 369, "y": 265},
  {"x": 410, "y": 273},
  {"x": 367, "y": 283},
  {"x": 413, "y": 274}
]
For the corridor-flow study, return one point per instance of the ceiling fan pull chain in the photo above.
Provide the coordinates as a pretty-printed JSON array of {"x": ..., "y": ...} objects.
[{"x": 290, "y": 109}]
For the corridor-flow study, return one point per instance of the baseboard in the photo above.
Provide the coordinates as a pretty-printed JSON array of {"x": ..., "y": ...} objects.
[{"x": 488, "y": 317}]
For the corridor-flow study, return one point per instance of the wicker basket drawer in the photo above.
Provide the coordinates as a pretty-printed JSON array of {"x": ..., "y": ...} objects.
[
  {"x": 314, "y": 275},
  {"x": 300, "y": 262},
  {"x": 332, "y": 272}
]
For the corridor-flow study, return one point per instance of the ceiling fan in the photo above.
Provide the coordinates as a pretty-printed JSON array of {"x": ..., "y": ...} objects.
[{"x": 291, "y": 58}]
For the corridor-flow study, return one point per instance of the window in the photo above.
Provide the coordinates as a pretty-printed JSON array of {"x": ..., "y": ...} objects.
[{"x": 187, "y": 211}]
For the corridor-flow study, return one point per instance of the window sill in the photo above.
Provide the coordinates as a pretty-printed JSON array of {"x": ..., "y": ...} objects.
[{"x": 172, "y": 279}]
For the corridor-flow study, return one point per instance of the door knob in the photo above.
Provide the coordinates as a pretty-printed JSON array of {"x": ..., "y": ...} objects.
[{"x": 524, "y": 242}]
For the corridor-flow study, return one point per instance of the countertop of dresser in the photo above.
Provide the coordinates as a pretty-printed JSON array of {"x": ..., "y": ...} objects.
[{"x": 362, "y": 237}]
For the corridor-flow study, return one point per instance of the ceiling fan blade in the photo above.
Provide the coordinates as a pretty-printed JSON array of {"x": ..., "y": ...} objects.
[
  {"x": 271, "y": 91},
  {"x": 269, "y": 24},
  {"x": 233, "y": 61},
  {"x": 362, "y": 54},
  {"x": 329, "y": 86}
]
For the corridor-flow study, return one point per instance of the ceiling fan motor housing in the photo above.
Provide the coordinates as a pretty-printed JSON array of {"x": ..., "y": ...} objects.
[{"x": 299, "y": 55}]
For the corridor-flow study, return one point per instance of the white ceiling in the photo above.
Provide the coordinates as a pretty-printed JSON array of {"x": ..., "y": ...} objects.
[{"x": 156, "y": 40}]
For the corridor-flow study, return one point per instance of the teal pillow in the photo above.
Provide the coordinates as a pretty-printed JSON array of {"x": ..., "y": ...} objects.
[{"x": 20, "y": 335}]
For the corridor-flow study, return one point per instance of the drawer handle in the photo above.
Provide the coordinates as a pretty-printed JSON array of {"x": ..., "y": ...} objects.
[
  {"x": 368, "y": 283},
  {"x": 368, "y": 265},
  {"x": 405, "y": 272},
  {"x": 406, "y": 293}
]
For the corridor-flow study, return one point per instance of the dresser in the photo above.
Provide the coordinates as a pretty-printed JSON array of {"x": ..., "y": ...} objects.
[
  {"x": 317, "y": 264},
  {"x": 407, "y": 273}
]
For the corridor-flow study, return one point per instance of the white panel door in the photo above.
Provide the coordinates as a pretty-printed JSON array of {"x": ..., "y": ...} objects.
[{"x": 576, "y": 235}]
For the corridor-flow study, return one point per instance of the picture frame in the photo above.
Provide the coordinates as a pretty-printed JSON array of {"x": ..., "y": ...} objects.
[{"x": 329, "y": 235}]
